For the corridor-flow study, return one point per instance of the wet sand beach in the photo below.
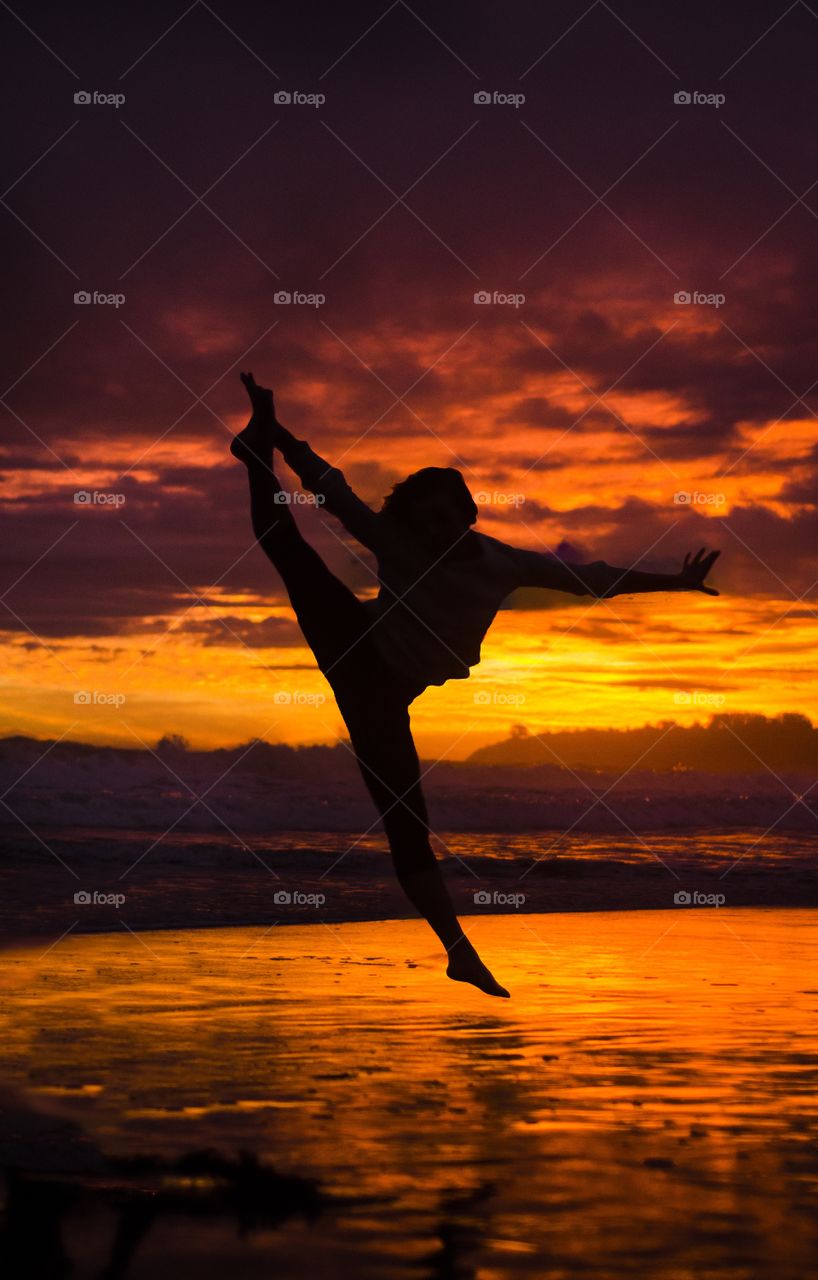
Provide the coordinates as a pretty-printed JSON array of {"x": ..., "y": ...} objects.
[{"x": 644, "y": 1105}]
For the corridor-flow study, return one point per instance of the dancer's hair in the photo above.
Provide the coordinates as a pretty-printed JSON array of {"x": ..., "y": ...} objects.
[{"x": 430, "y": 482}]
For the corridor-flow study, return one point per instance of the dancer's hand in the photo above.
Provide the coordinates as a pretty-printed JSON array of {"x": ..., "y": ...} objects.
[
  {"x": 261, "y": 398},
  {"x": 696, "y": 570}
]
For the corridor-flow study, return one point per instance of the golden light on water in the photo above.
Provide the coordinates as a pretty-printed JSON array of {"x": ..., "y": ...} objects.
[{"x": 652, "y": 1069}]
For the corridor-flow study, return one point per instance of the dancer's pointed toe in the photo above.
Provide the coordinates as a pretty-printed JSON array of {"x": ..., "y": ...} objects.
[{"x": 468, "y": 967}]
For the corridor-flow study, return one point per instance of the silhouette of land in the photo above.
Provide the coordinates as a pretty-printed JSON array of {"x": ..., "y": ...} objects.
[{"x": 731, "y": 743}]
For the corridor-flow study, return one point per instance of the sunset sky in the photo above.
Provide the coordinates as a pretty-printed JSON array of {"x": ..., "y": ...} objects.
[{"x": 577, "y": 414}]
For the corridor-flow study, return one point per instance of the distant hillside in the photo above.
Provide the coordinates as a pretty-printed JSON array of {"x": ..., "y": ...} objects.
[{"x": 727, "y": 744}]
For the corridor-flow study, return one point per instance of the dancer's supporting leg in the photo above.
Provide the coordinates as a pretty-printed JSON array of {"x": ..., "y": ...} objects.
[
  {"x": 335, "y": 623},
  {"x": 381, "y": 735}
]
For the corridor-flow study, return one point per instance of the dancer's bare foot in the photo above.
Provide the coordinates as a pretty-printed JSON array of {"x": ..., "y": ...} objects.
[
  {"x": 465, "y": 965},
  {"x": 255, "y": 443}
]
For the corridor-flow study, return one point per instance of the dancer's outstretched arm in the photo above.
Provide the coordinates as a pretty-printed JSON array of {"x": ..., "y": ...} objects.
[
  {"x": 690, "y": 577},
  {"x": 606, "y": 580},
  {"x": 318, "y": 476}
]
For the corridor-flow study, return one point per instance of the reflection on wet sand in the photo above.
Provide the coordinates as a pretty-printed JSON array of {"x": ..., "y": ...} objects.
[
  {"x": 137, "y": 1195},
  {"x": 645, "y": 1104}
]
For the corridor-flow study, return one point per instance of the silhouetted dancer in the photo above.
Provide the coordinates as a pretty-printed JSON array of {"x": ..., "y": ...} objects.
[{"x": 441, "y": 584}]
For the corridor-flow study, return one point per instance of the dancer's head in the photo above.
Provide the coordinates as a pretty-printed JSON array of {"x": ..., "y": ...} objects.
[{"x": 434, "y": 505}]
